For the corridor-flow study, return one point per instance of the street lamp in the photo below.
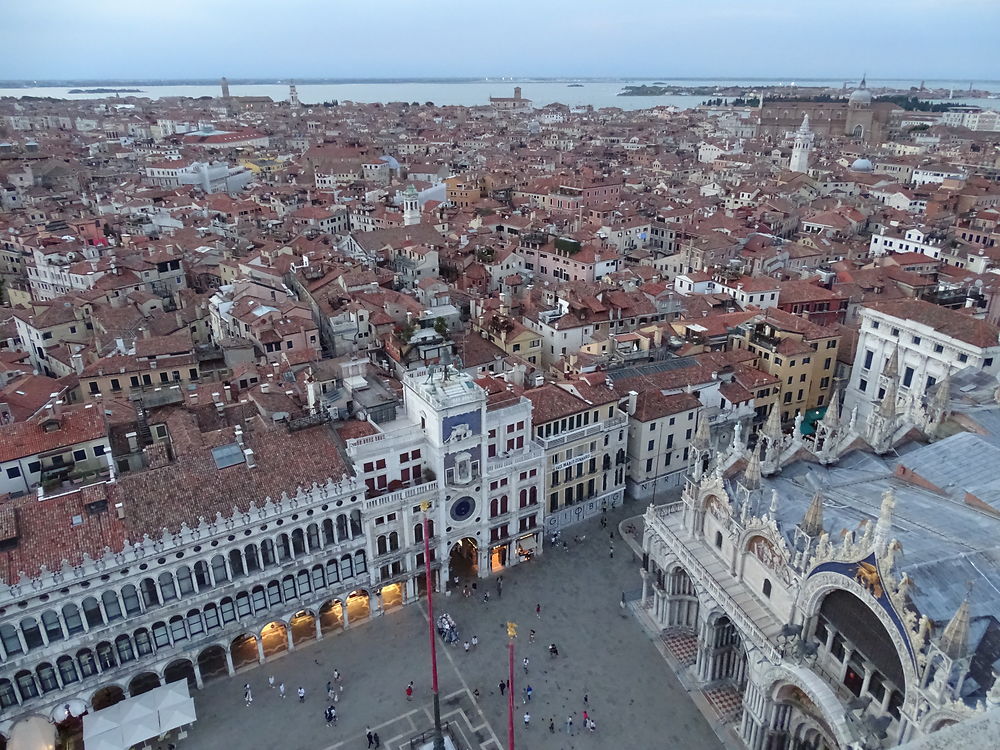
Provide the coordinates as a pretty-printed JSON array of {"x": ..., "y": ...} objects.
[{"x": 438, "y": 735}]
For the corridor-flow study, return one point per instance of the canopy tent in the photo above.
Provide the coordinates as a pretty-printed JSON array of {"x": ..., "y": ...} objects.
[
  {"x": 138, "y": 719},
  {"x": 33, "y": 733}
]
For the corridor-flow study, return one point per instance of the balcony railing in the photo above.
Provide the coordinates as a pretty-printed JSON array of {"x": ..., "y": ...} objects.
[{"x": 619, "y": 420}]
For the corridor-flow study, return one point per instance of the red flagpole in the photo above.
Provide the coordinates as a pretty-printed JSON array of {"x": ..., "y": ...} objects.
[
  {"x": 438, "y": 735},
  {"x": 511, "y": 633}
]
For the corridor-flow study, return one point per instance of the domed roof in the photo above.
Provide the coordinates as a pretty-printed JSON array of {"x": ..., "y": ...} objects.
[
  {"x": 860, "y": 95},
  {"x": 862, "y": 165}
]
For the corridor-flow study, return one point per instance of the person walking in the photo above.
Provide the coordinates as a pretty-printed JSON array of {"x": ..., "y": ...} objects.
[
  {"x": 524, "y": 662},
  {"x": 569, "y": 725},
  {"x": 527, "y": 719},
  {"x": 247, "y": 695},
  {"x": 475, "y": 641},
  {"x": 467, "y": 647},
  {"x": 281, "y": 689},
  {"x": 499, "y": 587},
  {"x": 302, "y": 694},
  {"x": 336, "y": 675},
  {"x": 586, "y": 718},
  {"x": 502, "y": 686},
  {"x": 270, "y": 681},
  {"x": 552, "y": 725},
  {"x": 538, "y": 611},
  {"x": 370, "y": 737},
  {"x": 378, "y": 742},
  {"x": 527, "y": 693},
  {"x": 409, "y": 691},
  {"x": 486, "y": 597},
  {"x": 591, "y": 726}
]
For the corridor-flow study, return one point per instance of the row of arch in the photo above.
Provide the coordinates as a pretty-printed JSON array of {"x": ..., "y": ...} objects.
[
  {"x": 197, "y": 622},
  {"x": 131, "y": 601}
]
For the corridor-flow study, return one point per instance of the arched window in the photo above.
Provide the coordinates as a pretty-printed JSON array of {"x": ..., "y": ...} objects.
[
  {"x": 418, "y": 533},
  {"x": 393, "y": 541},
  {"x": 161, "y": 638},
  {"x": 185, "y": 582},
  {"x": 201, "y": 575},
  {"x": 252, "y": 558},
  {"x": 859, "y": 131},
  {"x": 243, "y": 604},
  {"x": 167, "y": 587},
  {"x": 8, "y": 698},
  {"x": 150, "y": 597},
  {"x": 333, "y": 571},
  {"x": 71, "y": 615},
  {"x": 346, "y": 567},
  {"x": 355, "y": 523},
  {"x": 212, "y": 620},
  {"x": 26, "y": 685},
  {"x": 236, "y": 562},
  {"x": 284, "y": 548},
  {"x": 718, "y": 539},
  {"x": 342, "y": 531},
  {"x": 88, "y": 665},
  {"x": 380, "y": 545},
  {"x": 67, "y": 670},
  {"x": 143, "y": 642},
  {"x": 227, "y": 610},
  {"x": 11, "y": 643},
  {"x": 52, "y": 626},
  {"x": 92, "y": 612},
  {"x": 130, "y": 598},
  {"x": 111, "y": 605},
  {"x": 328, "y": 534},
  {"x": 47, "y": 677},
  {"x": 312, "y": 534},
  {"x": 766, "y": 588},
  {"x": 318, "y": 577},
  {"x": 288, "y": 588},
  {"x": 302, "y": 579},
  {"x": 258, "y": 597},
  {"x": 123, "y": 645},
  {"x": 177, "y": 630},
  {"x": 532, "y": 496},
  {"x": 106, "y": 656},
  {"x": 267, "y": 552},
  {"x": 195, "y": 624},
  {"x": 32, "y": 633},
  {"x": 219, "y": 572},
  {"x": 360, "y": 563},
  {"x": 298, "y": 542},
  {"x": 273, "y": 593}
]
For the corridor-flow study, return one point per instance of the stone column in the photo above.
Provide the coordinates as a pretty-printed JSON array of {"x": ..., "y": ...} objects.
[
  {"x": 343, "y": 614},
  {"x": 260, "y": 650},
  {"x": 645, "y": 586},
  {"x": 288, "y": 636},
  {"x": 198, "y": 681},
  {"x": 229, "y": 663},
  {"x": 319, "y": 628},
  {"x": 867, "y": 678}
]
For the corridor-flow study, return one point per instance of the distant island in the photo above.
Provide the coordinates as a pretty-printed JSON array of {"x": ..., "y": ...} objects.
[
  {"x": 574, "y": 85},
  {"x": 105, "y": 91},
  {"x": 643, "y": 91}
]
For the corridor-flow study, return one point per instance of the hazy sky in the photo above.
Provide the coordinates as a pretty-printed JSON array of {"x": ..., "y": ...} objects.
[{"x": 471, "y": 38}]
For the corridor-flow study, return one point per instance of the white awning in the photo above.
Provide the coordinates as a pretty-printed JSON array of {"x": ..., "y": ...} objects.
[
  {"x": 138, "y": 719},
  {"x": 527, "y": 543}
]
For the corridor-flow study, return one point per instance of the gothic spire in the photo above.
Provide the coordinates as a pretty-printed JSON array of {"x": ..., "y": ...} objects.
[
  {"x": 831, "y": 418},
  {"x": 941, "y": 397},
  {"x": 751, "y": 474},
  {"x": 956, "y": 633},
  {"x": 884, "y": 524},
  {"x": 887, "y": 406},
  {"x": 891, "y": 369},
  {"x": 772, "y": 427},
  {"x": 812, "y": 521},
  {"x": 701, "y": 438}
]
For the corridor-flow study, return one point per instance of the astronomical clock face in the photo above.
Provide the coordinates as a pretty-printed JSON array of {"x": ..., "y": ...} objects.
[{"x": 462, "y": 509}]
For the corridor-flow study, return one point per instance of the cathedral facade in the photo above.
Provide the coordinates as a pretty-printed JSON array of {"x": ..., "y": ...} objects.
[
  {"x": 857, "y": 117},
  {"x": 823, "y": 592}
]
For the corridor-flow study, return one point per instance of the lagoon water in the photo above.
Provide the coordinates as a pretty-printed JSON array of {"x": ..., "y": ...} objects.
[{"x": 474, "y": 93}]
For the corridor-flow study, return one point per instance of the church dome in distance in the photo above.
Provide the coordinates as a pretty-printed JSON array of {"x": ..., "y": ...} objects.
[
  {"x": 861, "y": 165},
  {"x": 860, "y": 95}
]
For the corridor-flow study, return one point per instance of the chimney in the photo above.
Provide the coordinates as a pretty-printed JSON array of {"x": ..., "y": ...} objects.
[
  {"x": 633, "y": 399},
  {"x": 77, "y": 361},
  {"x": 55, "y": 405},
  {"x": 248, "y": 455},
  {"x": 229, "y": 392},
  {"x": 264, "y": 387},
  {"x": 238, "y": 432}
]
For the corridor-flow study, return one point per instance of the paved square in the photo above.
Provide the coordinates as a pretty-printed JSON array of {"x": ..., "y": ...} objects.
[{"x": 603, "y": 653}]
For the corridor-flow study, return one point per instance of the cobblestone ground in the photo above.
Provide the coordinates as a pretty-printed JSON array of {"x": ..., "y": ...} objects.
[{"x": 603, "y": 655}]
